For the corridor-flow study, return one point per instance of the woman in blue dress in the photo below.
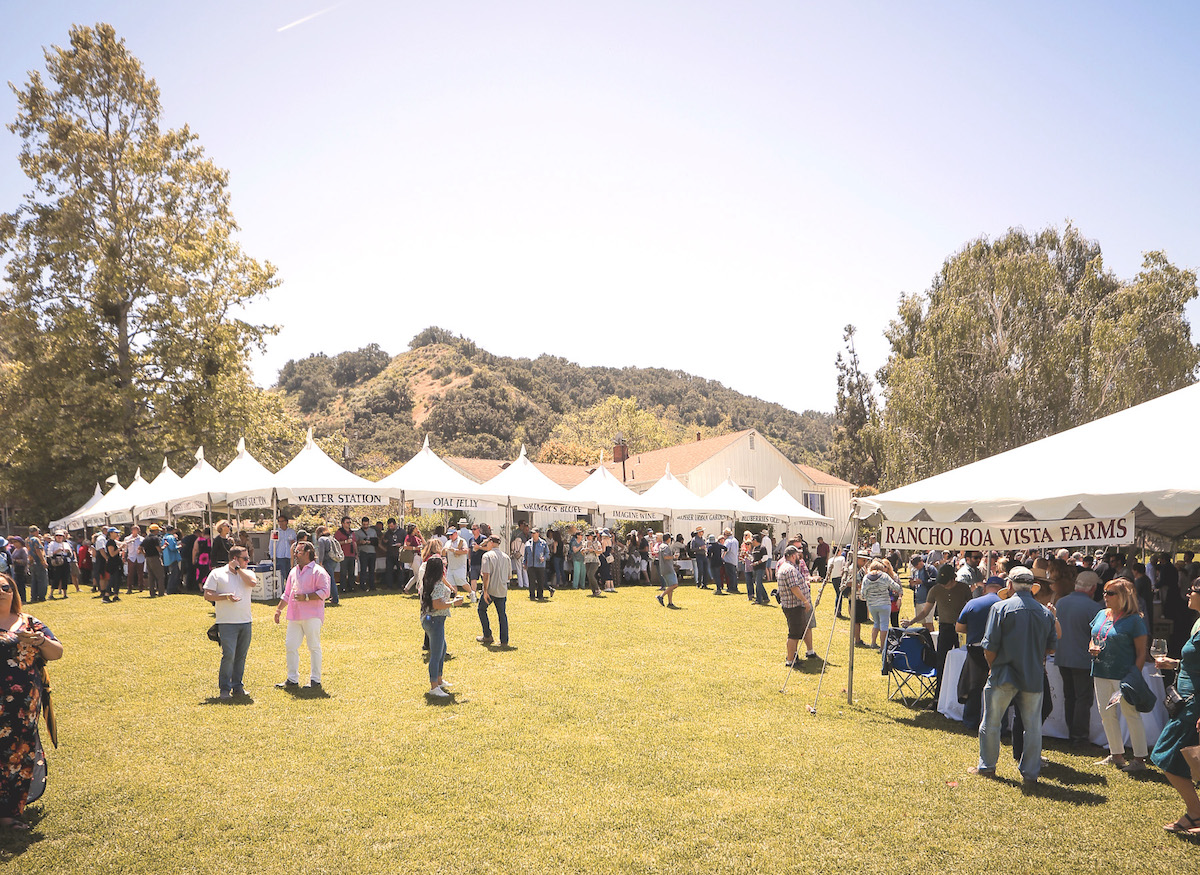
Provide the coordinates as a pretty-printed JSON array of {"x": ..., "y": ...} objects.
[{"x": 1183, "y": 730}]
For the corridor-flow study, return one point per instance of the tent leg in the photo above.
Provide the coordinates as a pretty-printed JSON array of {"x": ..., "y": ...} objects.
[{"x": 853, "y": 603}]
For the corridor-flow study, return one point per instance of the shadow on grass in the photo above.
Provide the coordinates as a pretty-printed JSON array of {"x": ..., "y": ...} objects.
[
  {"x": 441, "y": 701},
  {"x": 15, "y": 842},
  {"x": 1057, "y": 793},
  {"x": 497, "y": 648},
  {"x": 1065, "y": 774},
  {"x": 236, "y": 700},
  {"x": 307, "y": 692}
]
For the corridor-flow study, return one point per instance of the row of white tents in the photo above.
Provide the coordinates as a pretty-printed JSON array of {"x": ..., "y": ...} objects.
[{"x": 312, "y": 478}]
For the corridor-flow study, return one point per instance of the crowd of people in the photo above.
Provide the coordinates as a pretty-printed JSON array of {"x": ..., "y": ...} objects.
[{"x": 1094, "y": 613}]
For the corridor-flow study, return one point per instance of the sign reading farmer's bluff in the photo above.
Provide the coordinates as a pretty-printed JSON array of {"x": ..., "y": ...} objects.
[{"x": 1109, "y": 532}]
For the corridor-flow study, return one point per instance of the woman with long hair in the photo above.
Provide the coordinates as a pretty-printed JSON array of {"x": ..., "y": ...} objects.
[
  {"x": 1183, "y": 730},
  {"x": 436, "y": 602},
  {"x": 201, "y": 557},
  {"x": 1119, "y": 645}
]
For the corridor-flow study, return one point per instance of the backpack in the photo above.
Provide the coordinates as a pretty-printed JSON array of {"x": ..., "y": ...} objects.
[{"x": 336, "y": 553}]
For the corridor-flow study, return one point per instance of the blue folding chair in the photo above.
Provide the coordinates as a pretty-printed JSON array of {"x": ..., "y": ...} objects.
[{"x": 907, "y": 662}]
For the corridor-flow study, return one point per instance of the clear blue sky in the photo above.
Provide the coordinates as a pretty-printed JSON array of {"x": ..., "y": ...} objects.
[{"x": 716, "y": 187}]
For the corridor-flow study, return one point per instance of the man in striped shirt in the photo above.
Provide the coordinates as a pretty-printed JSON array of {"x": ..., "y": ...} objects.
[{"x": 795, "y": 597}]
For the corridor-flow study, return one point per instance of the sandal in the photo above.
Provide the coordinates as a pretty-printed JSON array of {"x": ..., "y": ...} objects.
[{"x": 1179, "y": 829}]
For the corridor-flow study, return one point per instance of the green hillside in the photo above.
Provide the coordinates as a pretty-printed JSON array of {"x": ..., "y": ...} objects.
[{"x": 473, "y": 403}]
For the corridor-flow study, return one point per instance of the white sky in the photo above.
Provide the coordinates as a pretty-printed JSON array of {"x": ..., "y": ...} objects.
[{"x": 715, "y": 187}]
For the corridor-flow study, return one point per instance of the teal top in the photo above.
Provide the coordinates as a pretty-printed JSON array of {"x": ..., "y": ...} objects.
[{"x": 1119, "y": 654}]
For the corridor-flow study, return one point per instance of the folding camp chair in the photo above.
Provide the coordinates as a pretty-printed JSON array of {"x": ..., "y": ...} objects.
[{"x": 908, "y": 662}]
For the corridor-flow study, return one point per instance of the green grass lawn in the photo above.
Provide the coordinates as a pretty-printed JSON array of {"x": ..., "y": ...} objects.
[{"x": 616, "y": 737}]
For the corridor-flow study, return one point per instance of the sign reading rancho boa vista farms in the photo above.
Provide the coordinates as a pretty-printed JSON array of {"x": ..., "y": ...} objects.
[{"x": 917, "y": 535}]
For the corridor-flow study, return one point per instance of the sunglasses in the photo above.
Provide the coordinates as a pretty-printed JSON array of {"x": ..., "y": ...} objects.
[
  {"x": 1109, "y": 592},
  {"x": 4, "y": 587}
]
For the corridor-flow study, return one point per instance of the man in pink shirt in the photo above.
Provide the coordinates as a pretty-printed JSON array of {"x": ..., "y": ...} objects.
[{"x": 304, "y": 594}]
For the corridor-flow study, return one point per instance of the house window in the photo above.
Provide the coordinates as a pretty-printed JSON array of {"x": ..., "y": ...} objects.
[
  {"x": 815, "y": 501},
  {"x": 749, "y": 490},
  {"x": 752, "y": 440}
]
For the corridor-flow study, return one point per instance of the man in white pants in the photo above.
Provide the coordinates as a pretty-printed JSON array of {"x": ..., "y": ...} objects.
[
  {"x": 305, "y": 593},
  {"x": 457, "y": 553}
]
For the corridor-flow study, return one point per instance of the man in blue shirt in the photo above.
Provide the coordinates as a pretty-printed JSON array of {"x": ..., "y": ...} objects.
[
  {"x": 1075, "y": 612},
  {"x": 1019, "y": 635}
]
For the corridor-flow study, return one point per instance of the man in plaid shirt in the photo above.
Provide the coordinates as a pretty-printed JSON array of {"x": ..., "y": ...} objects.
[{"x": 795, "y": 597}]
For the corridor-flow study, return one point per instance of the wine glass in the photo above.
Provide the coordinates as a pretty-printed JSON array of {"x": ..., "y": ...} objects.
[{"x": 1158, "y": 647}]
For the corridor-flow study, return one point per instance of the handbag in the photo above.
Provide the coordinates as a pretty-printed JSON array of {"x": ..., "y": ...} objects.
[
  {"x": 214, "y": 633},
  {"x": 1174, "y": 702}
]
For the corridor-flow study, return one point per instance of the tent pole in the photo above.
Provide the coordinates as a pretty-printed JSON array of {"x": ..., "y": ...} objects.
[{"x": 853, "y": 604}]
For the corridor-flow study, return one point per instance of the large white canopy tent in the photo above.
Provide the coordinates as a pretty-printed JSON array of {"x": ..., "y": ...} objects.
[
  {"x": 682, "y": 504},
  {"x": 429, "y": 482},
  {"x": 313, "y": 478},
  {"x": 245, "y": 481},
  {"x": 613, "y": 498},
  {"x": 527, "y": 488},
  {"x": 74, "y": 520},
  {"x": 199, "y": 489},
  {"x": 163, "y": 488},
  {"x": 1109, "y": 467},
  {"x": 781, "y": 504},
  {"x": 117, "y": 504}
]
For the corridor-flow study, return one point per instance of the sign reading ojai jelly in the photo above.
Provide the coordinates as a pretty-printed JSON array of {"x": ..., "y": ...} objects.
[{"x": 917, "y": 535}]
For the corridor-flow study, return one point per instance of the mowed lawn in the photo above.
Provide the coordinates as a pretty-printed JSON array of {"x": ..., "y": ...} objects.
[{"x": 617, "y": 736}]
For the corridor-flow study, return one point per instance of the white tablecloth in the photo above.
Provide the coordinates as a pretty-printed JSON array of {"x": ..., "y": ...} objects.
[{"x": 1055, "y": 725}]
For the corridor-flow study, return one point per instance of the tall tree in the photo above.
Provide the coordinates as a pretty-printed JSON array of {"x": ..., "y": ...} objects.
[
  {"x": 1023, "y": 337},
  {"x": 856, "y": 432},
  {"x": 124, "y": 282}
]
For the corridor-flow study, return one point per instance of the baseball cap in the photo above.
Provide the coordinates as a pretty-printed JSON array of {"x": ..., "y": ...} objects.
[{"x": 1021, "y": 573}]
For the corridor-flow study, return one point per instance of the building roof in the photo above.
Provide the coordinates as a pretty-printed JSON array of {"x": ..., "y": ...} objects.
[
  {"x": 649, "y": 467},
  {"x": 821, "y": 478},
  {"x": 481, "y": 470},
  {"x": 641, "y": 469}
]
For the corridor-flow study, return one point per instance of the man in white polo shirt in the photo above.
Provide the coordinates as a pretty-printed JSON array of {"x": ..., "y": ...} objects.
[
  {"x": 228, "y": 588},
  {"x": 457, "y": 553}
]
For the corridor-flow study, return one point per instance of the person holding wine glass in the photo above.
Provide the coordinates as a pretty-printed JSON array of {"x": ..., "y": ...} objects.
[
  {"x": 1118, "y": 645},
  {"x": 1183, "y": 730}
]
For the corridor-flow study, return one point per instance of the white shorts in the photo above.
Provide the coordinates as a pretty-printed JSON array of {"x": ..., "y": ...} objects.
[{"x": 457, "y": 577}]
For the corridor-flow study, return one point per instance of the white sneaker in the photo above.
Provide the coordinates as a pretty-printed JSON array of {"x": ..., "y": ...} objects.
[
  {"x": 446, "y": 685},
  {"x": 438, "y": 693}
]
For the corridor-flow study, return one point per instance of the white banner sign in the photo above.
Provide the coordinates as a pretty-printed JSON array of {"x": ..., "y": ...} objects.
[
  {"x": 251, "y": 501},
  {"x": 342, "y": 499},
  {"x": 695, "y": 517},
  {"x": 1111, "y": 532},
  {"x": 452, "y": 502},
  {"x": 763, "y": 518},
  {"x": 639, "y": 515},
  {"x": 553, "y": 507}
]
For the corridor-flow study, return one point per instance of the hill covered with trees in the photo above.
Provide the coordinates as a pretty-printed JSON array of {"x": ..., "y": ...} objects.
[{"x": 473, "y": 403}]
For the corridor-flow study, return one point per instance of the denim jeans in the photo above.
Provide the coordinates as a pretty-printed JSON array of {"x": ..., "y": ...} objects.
[
  {"x": 501, "y": 616},
  {"x": 714, "y": 572},
  {"x": 348, "y": 574},
  {"x": 174, "y": 578},
  {"x": 329, "y": 565},
  {"x": 39, "y": 582},
  {"x": 556, "y": 564},
  {"x": 235, "y": 644},
  {"x": 366, "y": 570},
  {"x": 996, "y": 700},
  {"x": 729, "y": 572},
  {"x": 700, "y": 568},
  {"x": 391, "y": 571},
  {"x": 760, "y": 591},
  {"x": 284, "y": 567},
  {"x": 435, "y": 628}
]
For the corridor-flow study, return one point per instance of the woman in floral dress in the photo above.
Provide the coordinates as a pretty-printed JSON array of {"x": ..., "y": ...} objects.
[{"x": 25, "y": 645}]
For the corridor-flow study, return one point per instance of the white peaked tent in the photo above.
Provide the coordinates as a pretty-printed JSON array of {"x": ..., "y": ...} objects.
[
  {"x": 245, "y": 481},
  {"x": 117, "y": 507},
  {"x": 163, "y": 488},
  {"x": 429, "y": 482},
  {"x": 613, "y": 498},
  {"x": 312, "y": 477},
  {"x": 731, "y": 500},
  {"x": 199, "y": 489},
  {"x": 1107, "y": 468},
  {"x": 527, "y": 488},
  {"x": 74, "y": 520},
  {"x": 780, "y": 504},
  {"x": 682, "y": 504},
  {"x": 95, "y": 515}
]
